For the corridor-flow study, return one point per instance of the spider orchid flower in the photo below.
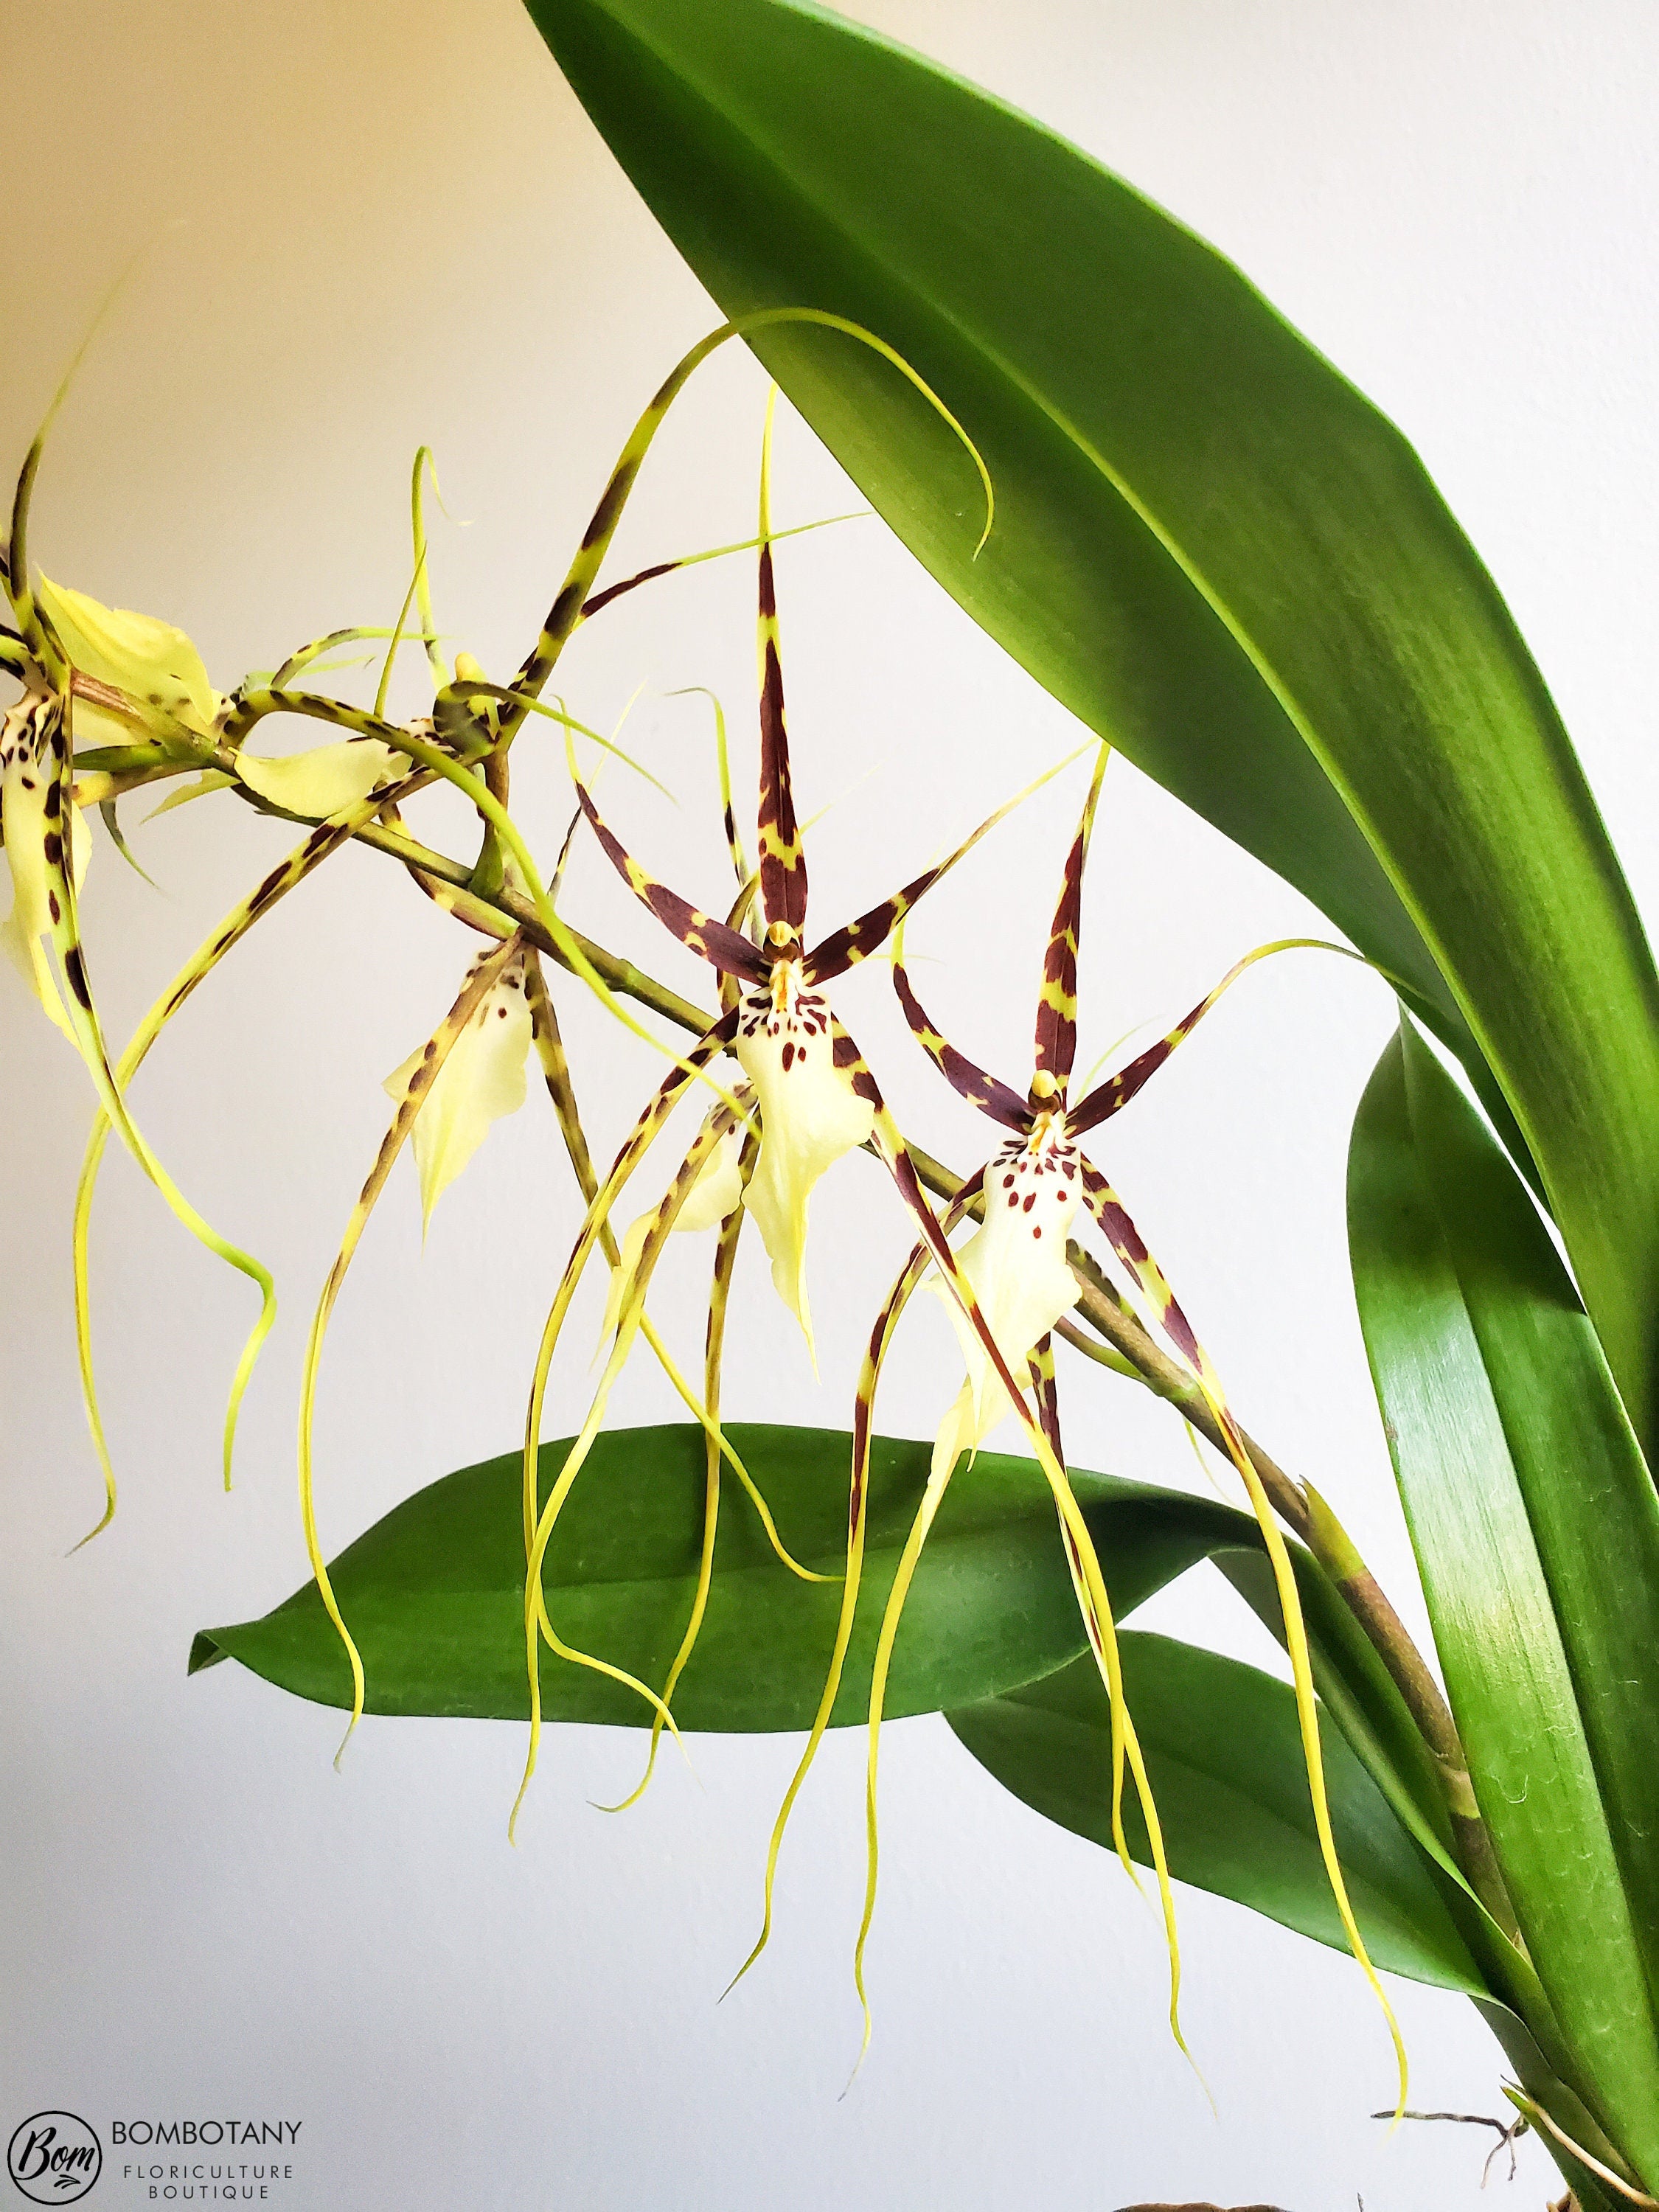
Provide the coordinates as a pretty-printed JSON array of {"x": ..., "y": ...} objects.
[
  {"x": 805, "y": 1083},
  {"x": 1030, "y": 1193},
  {"x": 817, "y": 1099},
  {"x": 145, "y": 673}
]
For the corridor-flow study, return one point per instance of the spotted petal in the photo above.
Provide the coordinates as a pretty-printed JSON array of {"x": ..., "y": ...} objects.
[
  {"x": 1017, "y": 1266},
  {"x": 481, "y": 1079},
  {"x": 324, "y": 780},
  {"x": 810, "y": 1113},
  {"x": 153, "y": 663},
  {"x": 24, "y": 788}
]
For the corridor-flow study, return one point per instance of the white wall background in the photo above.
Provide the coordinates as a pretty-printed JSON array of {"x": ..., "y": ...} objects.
[{"x": 367, "y": 224}]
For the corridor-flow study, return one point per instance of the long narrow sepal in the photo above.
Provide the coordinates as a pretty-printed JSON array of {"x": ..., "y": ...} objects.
[
  {"x": 875, "y": 1354},
  {"x": 556, "y": 1070},
  {"x": 36, "y": 768},
  {"x": 538, "y": 1623},
  {"x": 965, "y": 1077},
  {"x": 782, "y": 856},
  {"x": 476, "y": 988},
  {"x": 1127, "y": 1242},
  {"x": 595, "y": 1220},
  {"x": 1110, "y": 1096},
  {"x": 1056, "y": 1018},
  {"x": 573, "y": 593},
  {"x": 720, "y": 1290},
  {"x": 845, "y": 948},
  {"x": 723, "y": 764},
  {"x": 890, "y": 1147},
  {"x": 608, "y": 597},
  {"x": 1102, "y": 1644},
  {"x": 301, "y": 862},
  {"x": 723, "y": 948}
]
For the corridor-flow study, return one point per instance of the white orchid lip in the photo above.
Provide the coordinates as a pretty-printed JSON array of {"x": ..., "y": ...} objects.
[
  {"x": 1015, "y": 1263},
  {"x": 810, "y": 1113}
]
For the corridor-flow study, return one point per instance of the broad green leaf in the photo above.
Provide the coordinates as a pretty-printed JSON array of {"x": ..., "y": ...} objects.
[
  {"x": 1225, "y": 1755},
  {"x": 433, "y": 1592},
  {"x": 1207, "y": 544},
  {"x": 1536, "y": 1527}
]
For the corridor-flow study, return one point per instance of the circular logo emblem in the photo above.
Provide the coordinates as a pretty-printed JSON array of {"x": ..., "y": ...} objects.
[{"x": 54, "y": 2159}]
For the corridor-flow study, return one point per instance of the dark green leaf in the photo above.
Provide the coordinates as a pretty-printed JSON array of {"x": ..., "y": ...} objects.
[
  {"x": 434, "y": 1592},
  {"x": 1208, "y": 545},
  {"x": 1536, "y": 1526},
  {"x": 1224, "y": 1755}
]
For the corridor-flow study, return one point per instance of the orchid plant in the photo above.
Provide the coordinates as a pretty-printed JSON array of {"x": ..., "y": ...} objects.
[{"x": 1204, "y": 542}]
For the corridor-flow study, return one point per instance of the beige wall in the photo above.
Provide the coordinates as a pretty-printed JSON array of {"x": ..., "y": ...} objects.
[{"x": 363, "y": 225}]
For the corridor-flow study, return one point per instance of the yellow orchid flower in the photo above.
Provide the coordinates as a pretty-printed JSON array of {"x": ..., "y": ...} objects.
[
  {"x": 817, "y": 1100},
  {"x": 481, "y": 1081}
]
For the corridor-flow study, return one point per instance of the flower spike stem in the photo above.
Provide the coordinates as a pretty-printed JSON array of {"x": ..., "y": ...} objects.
[{"x": 1105, "y": 1313}]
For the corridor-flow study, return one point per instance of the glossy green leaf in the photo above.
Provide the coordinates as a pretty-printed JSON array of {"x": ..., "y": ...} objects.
[
  {"x": 1225, "y": 1755},
  {"x": 1207, "y": 544},
  {"x": 433, "y": 1592},
  {"x": 1536, "y": 1527}
]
